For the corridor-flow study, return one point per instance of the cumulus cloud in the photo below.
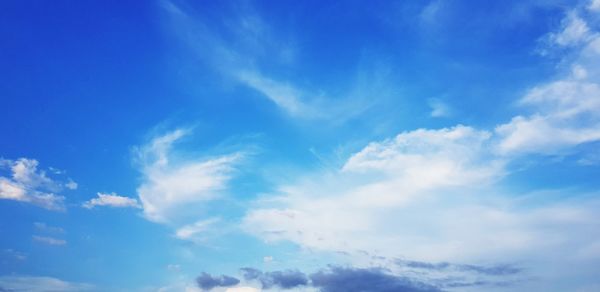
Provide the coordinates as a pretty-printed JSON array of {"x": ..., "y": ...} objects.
[
  {"x": 416, "y": 196},
  {"x": 208, "y": 282},
  {"x": 29, "y": 184},
  {"x": 168, "y": 185},
  {"x": 111, "y": 200},
  {"x": 40, "y": 284}
]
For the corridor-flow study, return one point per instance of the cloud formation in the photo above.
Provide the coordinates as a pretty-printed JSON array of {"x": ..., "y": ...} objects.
[
  {"x": 168, "y": 185},
  {"x": 441, "y": 178},
  {"x": 280, "y": 279},
  {"x": 564, "y": 112},
  {"x": 334, "y": 279},
  {"x": 31, "y": 185},
  {"x": 208, "y": 282},
  {"x": 111, "y": 200}
]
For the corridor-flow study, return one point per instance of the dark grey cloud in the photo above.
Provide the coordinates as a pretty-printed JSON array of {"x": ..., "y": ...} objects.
[
  {"x": 338, "y": 279},
  {"x": 283, "y": 279},
  {"x": 207, "y": 282},
  {"x": 341, "y": 279}
]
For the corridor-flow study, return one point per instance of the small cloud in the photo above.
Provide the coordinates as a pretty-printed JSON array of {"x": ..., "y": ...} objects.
[
  {"x": 112, "y": 200},
  {"x": 207, "y": 282},
  {"x": 30, "y": 185},
  {"x": 174, "y": 267},
  {"x": 45, "y": 228},
  {"x": 439, "y": 109},
  {"x": 282, "y": 279},
  {"x": 71, "y": 185},
  {"x": 267, "y": 259},
  {"x": 11, "y": 253},
  {"x": 189, "y": 232},
  {"x": 49, "y": 240}
]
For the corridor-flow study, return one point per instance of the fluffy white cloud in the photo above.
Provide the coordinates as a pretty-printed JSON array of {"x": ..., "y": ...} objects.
[
  {"x": 168, "y": 185},
  {"x": 29, "y": 184},
  {"x": 111, "y": 200},
  {"x": 429, "y": 195},
  {"x": 40, "y": 284}
]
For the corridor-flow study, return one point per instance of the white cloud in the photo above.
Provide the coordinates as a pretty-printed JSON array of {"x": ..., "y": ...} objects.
[
  {"x": 267, "y": 259},
  {"x": 40, "y": 284},
  {"x": 565, "y": 112},
  {"x": 71, "y": 185},
  {"x": 575, "y": 30},
  {"x": 43, "y": 227},
  {"x": 169, "y": 185},
  {"x": 30, "y": 184},
  {"x": 283, "y": 95},
  {"x": 347, "y": 209},
  {"x": 49, "y": 240},
  {"x": 594, "y": 5},
  {"x": 195, "y": 230},
  {"x": 430, "y": 195},
  {"x": 242, "y": 63},
  {"x": 111, "y": 200},
  {"x": 439, "y": 109}
]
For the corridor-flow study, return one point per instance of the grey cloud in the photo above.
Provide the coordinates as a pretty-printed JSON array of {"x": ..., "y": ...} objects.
[
  {"x": 284, "y": 279},
  {"x": 208, "y": 282},
  {"x": 495, "y": 270},
  {"x": 338, "y": 279}
]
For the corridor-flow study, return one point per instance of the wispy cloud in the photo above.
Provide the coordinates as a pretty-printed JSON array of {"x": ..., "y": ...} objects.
[
  {"x": 256, "y": 47},
  {"x": 196, "y": 230},
  {"x": 49, "y": 240},
  {"x": 111, "y": 200},
  {"x": 31, "y": 185},
  {"x": 439, "y": 109},
  {"x": 45, "y": 228},
  {"x": 169, "y": 185},
  {"x": 41, "y": 284}
]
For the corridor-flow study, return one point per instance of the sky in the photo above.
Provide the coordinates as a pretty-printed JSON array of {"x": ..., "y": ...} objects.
[{"x": 244, "y": 146}]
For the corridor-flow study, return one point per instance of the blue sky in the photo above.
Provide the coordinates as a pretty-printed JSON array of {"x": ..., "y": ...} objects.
[{"x": 300, "y": 146}]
